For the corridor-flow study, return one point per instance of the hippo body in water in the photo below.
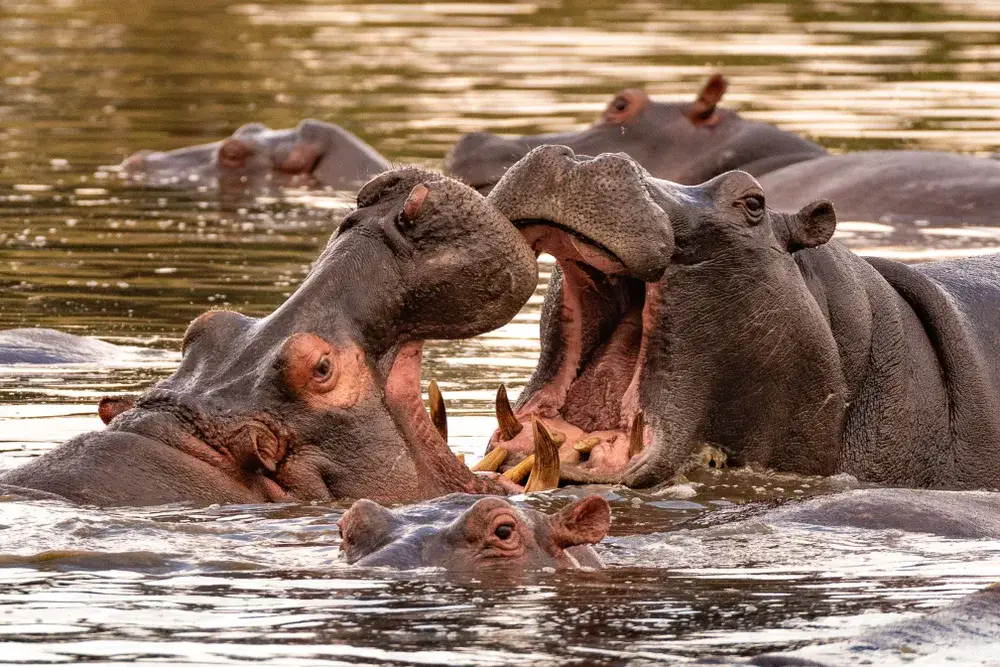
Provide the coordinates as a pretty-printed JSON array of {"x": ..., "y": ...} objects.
[
  {"x": 762, "y": 338},
  {"x": 463, "y": 532},
  {"x": 690, "y": 143},
  {"x": 320, "y": 399},
  {"x": 965, "y": 632},
  {"x": 48, "y": 346},
  {"x": 314, "y": 153}
]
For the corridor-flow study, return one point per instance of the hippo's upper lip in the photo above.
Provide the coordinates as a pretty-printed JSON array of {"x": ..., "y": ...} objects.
[{"x": 521, "y": 224}]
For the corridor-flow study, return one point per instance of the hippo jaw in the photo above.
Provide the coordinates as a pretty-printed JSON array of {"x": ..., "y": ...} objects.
[
  {"x": 321, "y": 399},
  {"x": 611, "y": 242}
]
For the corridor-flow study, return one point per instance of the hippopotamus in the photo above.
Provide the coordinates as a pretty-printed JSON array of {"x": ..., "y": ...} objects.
[
  {"x": 692, "y": 142},
  {"x": 321, "y": 399},
  {"x": 762, "y": 337},
  {"x": 474, "y": 533},
  {"x": 49, "y": 346},
  {"x": 964, "y": 632},
  {"x": 314, "y": 153}
]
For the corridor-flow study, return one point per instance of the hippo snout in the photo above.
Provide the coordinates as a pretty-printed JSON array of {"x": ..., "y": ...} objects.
[{"x": 604, "y": 199}]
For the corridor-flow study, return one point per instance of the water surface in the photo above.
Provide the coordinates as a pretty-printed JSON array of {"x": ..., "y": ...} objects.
[{"x": 86, "y": 83}]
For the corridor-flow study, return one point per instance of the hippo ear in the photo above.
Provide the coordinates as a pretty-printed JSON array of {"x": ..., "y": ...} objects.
[
  {"x": 584, "y": 522},
  {"x": 702, "y": 112},
  {"x": 413, "y": 204},
  {"x": 812, "y": 226}
]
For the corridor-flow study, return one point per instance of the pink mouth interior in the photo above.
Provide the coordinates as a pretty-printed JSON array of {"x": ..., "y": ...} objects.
[
  {"x": 437, "y": 465},
  {"x": 594, "y": 391}
]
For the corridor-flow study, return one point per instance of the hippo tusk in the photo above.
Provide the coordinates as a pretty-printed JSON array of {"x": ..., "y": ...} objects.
[
  {"x": 584, "y": 445},
  {"x": 636, "y": 436},
  {"x": 492, "y": 461},
  {"x": 439, "y": 416},
  {"x": 545, "y": 470},
  {"x": 509, "y": 426},
  {"x": 521, "y": 470}
]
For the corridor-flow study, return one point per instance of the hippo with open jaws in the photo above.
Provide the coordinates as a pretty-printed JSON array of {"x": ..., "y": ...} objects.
[
  {"x": 762, "y": 338},
  {"x": 476, "y": 534},
  {"x": 313, "y": 154},
  {"x": 692, "y": 142},
  {"x": 320, "y": 399}
]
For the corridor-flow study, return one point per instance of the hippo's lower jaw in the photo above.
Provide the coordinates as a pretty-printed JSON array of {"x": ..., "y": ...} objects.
[
  {"x": 426, "y": 434},
  {"x": 587, "y": 393}
]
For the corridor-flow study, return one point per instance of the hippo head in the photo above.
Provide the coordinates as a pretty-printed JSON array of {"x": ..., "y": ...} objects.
[
  {"x": 476, "y": 534},
  {"x": 321, "y": 399},
  {"x": 686, "y": 142},
  {"x": 639, "y": 367},
  {"x": 314, "y": 153}
]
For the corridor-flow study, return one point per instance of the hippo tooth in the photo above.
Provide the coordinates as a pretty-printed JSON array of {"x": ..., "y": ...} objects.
[
  {"x": 439, "y": 416},
  {"x": 545, "y": 468},
  {"x": 509, "y": 425},
  {"x": 521, "y": 470},
  {"x": 492, "y": 461},
  {"x": 584, "y": 445},
  {"x": 636, "y": 434}
]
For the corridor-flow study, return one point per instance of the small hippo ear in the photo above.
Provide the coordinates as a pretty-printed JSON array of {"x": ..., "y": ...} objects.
[
  {"x": 584, "y": 522},
  {"x": 413, "y": 204},
  {"x": 702, "y": 112},
  {"x": 112, "y": 406},
  {"x": 812, "y": 226}
]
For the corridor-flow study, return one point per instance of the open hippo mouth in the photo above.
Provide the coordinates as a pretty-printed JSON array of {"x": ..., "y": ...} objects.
[{"x": 611, "y": 244}]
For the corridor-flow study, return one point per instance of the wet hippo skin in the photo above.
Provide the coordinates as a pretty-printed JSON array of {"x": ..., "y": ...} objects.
[
  {"x": 693, "y": 142},
  {"x": 321, "y": 398},
  {"x": 314, "y": 153},
  {"x": 48, "y": 346},
  {"x": 762, "y": 338},
  {"x": 470, "y": 533}
]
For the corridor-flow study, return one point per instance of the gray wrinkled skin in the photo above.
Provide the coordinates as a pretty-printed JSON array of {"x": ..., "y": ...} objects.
[
  {"x": 297, "y": 405},
  {"x": 956, "y": 514},
  {"x": 605, "y": 198},
  {"x": 786, "y": 350},
  {"x": 460, "y": 533},
  {"x": 314, "y": 153},
  {"x": 886, "y": 186}
]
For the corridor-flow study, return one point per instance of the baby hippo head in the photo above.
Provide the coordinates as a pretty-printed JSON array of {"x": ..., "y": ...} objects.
[{"x": 469, "y": 533}]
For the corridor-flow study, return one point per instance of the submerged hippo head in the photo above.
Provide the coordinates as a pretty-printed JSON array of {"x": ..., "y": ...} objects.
[
  {"x": 320, "y": 399},
  {"x": 686, "y": 142},
  {"x": 314, "y": 153},
  {"x": 463, "y": 532},
  {"x": 637, "y": 370}
]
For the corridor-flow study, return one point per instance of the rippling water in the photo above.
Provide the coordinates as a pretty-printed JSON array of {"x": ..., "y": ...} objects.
[{"x": 86, "y": 83}]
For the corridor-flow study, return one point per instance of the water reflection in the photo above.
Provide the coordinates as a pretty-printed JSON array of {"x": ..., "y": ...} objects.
[{"x": 87, "y": 83}]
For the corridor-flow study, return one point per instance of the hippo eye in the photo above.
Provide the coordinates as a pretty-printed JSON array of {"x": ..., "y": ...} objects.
[
  {"x": 504, "y": 531},
  {"x": 620, "y": 104},
  {"x": 754, "y": 203},
  {"x": 323, "y": 368}
]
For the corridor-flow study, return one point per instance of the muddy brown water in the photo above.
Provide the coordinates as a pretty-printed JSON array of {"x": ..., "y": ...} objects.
[{"x": 85, "y": 83}]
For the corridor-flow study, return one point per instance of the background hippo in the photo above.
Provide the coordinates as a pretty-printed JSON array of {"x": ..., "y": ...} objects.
[
  {"x": 49, "y": 346},
  {"x": 762, "y": 338},
  {"x": 314, "y": 153},
  {"x": 320, "y": 399},
  {"x": 463, "y": 532},
  {"x": 692, "y": 142}
]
